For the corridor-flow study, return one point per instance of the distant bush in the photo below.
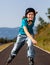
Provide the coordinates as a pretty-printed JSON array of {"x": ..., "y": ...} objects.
[
  {"x": 2, "y": 40},
  {"x": 6, "y": 40},
  {"x": 14, "y": 40},
  {"x": 42, "y": 24}
]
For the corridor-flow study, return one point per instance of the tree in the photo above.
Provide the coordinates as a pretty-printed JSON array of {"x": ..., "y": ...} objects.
[
  {"x": 48, "y": 14},
  {"x": 42, "y": 24},
  {"x": 41, "y": 20}
]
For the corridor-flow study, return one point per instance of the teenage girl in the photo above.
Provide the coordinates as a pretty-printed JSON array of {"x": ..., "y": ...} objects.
[{"x": 26, "y": 34}]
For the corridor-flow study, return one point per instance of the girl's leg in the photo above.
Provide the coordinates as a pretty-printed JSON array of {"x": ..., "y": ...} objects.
[
  {"x": 30, "y": 51},
  {"x": 17, "y": 46}
]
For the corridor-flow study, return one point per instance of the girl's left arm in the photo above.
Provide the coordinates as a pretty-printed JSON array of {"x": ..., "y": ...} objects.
[{"x": 29, "y": 35}]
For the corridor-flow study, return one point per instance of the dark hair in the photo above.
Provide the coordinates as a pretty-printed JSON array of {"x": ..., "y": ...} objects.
[{"x": 29, "y": 10}]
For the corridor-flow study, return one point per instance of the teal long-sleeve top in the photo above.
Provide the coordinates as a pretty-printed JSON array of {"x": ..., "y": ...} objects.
[{"x": 29, "y": 27}]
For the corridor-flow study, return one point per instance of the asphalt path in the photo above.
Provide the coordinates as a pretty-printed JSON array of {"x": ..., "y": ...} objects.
[{"x": 41, "y": 57}]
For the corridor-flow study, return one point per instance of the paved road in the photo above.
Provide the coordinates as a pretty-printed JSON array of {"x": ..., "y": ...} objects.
[{"x": 41, "y": 57}]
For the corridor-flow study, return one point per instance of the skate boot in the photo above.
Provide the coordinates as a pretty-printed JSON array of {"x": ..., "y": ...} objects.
[
  {"x": 9, "y": 59},
  {"x": 31, "y": 61}
]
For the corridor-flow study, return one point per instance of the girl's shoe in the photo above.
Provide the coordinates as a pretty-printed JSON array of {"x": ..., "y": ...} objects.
[
  {"x": 31, "y": 61},
  {"x": 10, "y": 59}
]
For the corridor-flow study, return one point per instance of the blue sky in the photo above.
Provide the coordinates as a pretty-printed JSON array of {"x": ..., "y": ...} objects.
[{"x": 12, "y": 11}]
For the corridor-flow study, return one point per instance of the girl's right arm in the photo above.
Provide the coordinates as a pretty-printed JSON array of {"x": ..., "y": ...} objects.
[{"x": 29, "y": 35}]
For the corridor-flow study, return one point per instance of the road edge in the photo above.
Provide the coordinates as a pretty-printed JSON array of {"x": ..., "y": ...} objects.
[{"x": 42, "y": 49}]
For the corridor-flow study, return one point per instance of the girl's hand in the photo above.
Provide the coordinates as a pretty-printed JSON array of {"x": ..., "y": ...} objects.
[{"x": 34, "y": 41}]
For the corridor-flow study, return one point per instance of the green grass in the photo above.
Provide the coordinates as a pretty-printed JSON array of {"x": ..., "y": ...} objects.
[
  {"x": 4, "y": 46},
  {"x": 43, "y": 38}
]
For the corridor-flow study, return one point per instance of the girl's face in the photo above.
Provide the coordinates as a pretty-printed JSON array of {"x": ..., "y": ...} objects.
[{"x": 30, "y": 16}]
